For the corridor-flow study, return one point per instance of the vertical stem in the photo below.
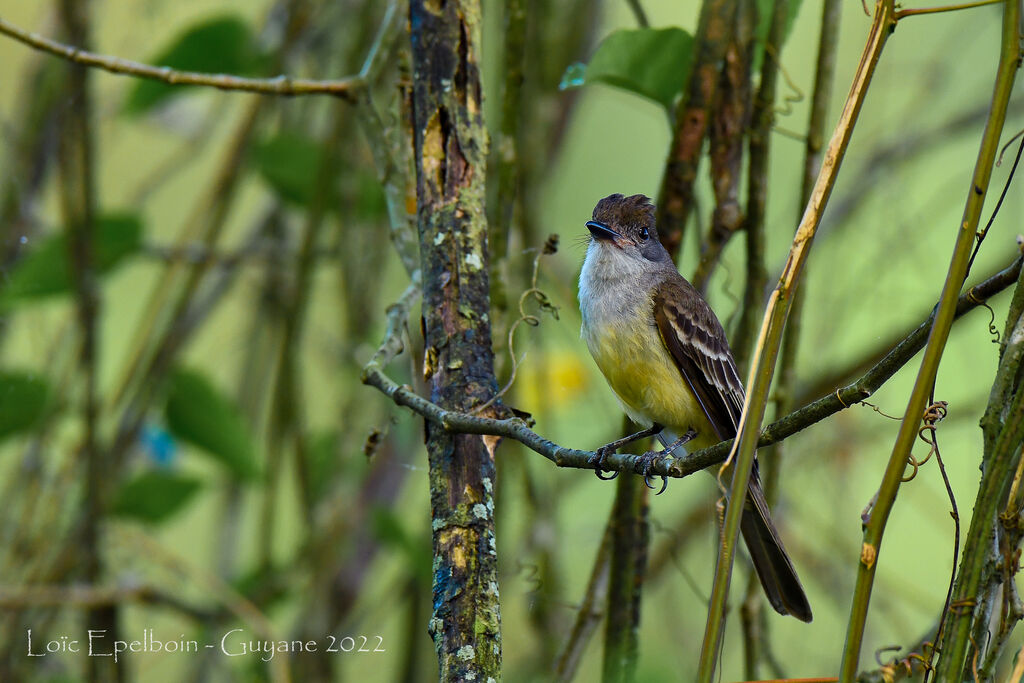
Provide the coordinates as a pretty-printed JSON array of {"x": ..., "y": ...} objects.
[
  {"x": 772, "y": 458},
  {"x": 628, "y": 557},
  {"x": 589, "y": 616},
  {"x": 506, "y": 153},
  {"x": 770, "y": 338},
  {"x": 730, "y": 121},
  {"x": 761, "y": 121},
  {"x": 450, "y": 159},
  {"x": 285, "y": 415},
  {"x": 1003, "y": 426},
  {"x": 675, "y": 199},
  {"x": 78, "y": 205},
  {"x": 952, "y": 660}
]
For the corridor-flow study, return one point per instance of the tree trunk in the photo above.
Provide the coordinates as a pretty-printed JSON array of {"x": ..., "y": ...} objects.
[{"x": 450, "y": 155}]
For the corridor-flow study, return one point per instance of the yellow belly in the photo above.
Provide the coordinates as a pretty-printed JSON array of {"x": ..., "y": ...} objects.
[{"x": 647, "y": 381}]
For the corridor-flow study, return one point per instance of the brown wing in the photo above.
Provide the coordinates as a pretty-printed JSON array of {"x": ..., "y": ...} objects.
[{"x": 699, "y": 347}]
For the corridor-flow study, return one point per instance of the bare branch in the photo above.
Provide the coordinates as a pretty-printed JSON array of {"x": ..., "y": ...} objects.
[{"x": 279, "y": 85}]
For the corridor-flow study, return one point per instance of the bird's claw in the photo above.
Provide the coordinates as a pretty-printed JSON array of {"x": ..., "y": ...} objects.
[
  {"x": 598, "y": 462},
  {"x": 647, "y": 462}
]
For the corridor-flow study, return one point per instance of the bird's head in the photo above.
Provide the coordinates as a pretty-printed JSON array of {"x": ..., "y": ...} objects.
[{"x": 626, "y": 225}]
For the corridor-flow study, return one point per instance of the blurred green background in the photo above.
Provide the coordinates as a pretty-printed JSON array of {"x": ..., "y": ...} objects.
[{"x": 357, "y": 561}]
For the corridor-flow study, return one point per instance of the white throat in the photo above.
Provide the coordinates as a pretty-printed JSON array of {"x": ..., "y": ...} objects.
[{"x": 611, "y": 284}]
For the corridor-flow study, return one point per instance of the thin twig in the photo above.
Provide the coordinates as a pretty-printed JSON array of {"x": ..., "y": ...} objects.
[
  {"x": 280, "y": 85},
  {"x": 638, "y": 13},
  {"x": 909, "y": 12},
  {"x": 535, "y": 293},
  {"x": 627, "y": 563}
]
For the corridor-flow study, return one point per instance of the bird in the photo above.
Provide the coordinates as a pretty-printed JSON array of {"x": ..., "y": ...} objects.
[{"x": 667, "y": 359}]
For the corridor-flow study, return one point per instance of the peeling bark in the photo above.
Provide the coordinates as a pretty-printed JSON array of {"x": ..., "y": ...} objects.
[{"x": 450, "y": 158}]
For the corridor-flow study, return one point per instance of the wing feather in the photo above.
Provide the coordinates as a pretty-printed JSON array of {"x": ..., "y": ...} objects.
[{"x": 698, "y": 345}]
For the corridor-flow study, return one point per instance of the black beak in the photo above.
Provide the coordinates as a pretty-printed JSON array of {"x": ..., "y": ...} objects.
[{"x": 603, "y": 232}]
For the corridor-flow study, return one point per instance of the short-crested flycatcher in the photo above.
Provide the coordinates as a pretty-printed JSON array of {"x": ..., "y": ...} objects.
[{"x": 666, "y": 357}]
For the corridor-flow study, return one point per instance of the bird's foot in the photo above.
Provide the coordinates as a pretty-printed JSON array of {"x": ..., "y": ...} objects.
[
  {"x": 650, "y": 459},
  {"x": 647, "y": 462},
  {"x": 600, "y": 455}
]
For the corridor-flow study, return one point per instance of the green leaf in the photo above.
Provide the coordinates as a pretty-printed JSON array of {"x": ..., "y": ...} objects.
[
  {"x": 221, "y": 45},
  {"x": 154, "y": 496},
  {"x": 198, "y": 413},
  {"x": 650, "y": 62},
  {"x": 289, "y": 163},
  {"x": 23, "y": 400},
  {"x": 764, "y": 23},
  {"x": 46, "y": 269}
]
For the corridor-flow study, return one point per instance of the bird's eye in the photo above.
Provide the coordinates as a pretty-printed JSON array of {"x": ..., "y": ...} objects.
[{"x": 644, "y": 234}]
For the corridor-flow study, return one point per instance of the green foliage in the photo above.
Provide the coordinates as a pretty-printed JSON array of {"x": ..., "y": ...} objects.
[
  {"x": 371, "y": 203},
  {"x": 220, "y": 45},
  {"x": 264, "y": 584},
  {"x": 289, "y": 163},
  {"x": 155, "y": 496},
  {"x": 46, "y": 270},
  {"x": 323, "y": 461},
  {"x": 23, "y": 400},
  {"x": 764, "y": 23},
  {"x": 654, "y": 63},
  {"x": 196, "y": 412}
]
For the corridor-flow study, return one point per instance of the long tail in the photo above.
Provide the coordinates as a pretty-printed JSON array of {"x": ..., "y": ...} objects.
[{"x": 772, "y": 564}]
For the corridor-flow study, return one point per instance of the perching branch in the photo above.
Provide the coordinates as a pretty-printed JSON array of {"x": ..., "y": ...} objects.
[
  {"x": 279, "y": 85},
  {"x": 516, "y": 428}
]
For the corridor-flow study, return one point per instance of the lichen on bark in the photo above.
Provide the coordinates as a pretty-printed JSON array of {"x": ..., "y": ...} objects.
[{"x": 450, "y": 158}]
